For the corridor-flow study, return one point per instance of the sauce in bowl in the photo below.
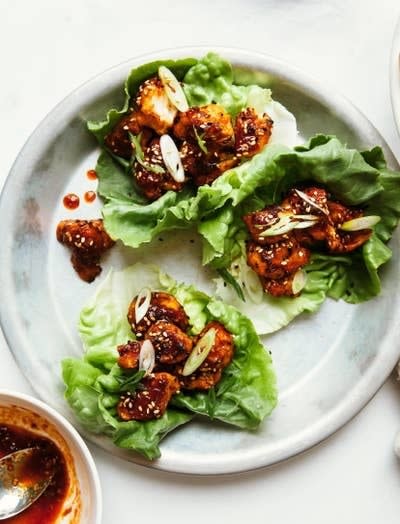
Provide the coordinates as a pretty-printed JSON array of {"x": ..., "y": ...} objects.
[{"x": 46, "y": 509}]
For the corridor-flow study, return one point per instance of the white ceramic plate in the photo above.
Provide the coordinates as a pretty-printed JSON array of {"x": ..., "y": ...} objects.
[
  {"x": 328, "y": 364},
  {"x": 395, "y": 75}
]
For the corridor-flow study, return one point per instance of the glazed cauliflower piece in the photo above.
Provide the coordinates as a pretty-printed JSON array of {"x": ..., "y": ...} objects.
[
  {"x": 277, "y": 260},
  {"x": 154, "y": 182},
  {"x": 210, "y": 371},
  {"x": 210, "y": 122},
  {"x": 252, "y": 132},
  {"x": 171, "y": 344},
  {"x": 163, "y": 306},
  {"x": 153, "y": 108},
  {"x": 151, "y": 401},
  {"x": 88, "y": 240}
]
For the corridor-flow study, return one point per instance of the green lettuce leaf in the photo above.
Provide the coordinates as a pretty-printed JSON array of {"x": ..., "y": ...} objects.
[
  {"x": 245, "y": 395},
  {"x": 211, "y": 80}
]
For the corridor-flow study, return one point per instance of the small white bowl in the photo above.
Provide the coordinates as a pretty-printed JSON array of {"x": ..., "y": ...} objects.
[{"x": 83, "y": 503}]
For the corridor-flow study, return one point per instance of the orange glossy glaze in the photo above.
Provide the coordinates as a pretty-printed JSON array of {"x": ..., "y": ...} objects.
[
  {"x": 71, "y": 201},
  {"x": 91, "y": 174},
  {"x": 47, "y": 508},
  {"x": 89, "y": 196}
]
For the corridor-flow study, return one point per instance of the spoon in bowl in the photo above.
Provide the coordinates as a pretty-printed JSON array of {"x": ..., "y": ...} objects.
[{"x": 20, "y": 483}]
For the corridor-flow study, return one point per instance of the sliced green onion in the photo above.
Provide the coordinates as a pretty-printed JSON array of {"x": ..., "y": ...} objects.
[
  {"x": 305, "y": 224},
  {"x": 231, "y": 280},
  {"x": 142, "y": 304},
  {"x": 172, "y": 159},
  {"x": 147, "y": 357},
  {"x": 311, "y": 202},
  {"x": 252, "y": 283},
  {"x": 200, "y": 141},
  {"x": 283, "y": 225},
  {"x": 269, "y": 224},
  {"x": 357, "y": 224},
  {"x": 200, "y": 352},
  {"x": 135, "y": 141},
  {"x": 173, "y": 89},
  {"x": 130, "y": 382},
  {"x": 299, "y": 281},
  {"x": 139, "y": 155},
  {"x": 305, "y": 217},
  {"x": 287, "y": 222}
]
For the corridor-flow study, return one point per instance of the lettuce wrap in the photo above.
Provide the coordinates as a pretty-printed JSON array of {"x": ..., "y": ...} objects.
[
  {"x": 128, "y": 216},
  {"x": 354, "y": 178},
  {"x": 245, "y": 395}
]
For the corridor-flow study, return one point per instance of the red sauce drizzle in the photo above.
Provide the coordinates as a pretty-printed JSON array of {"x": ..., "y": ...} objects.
[
  {"x": 89, "y": 196},
  {"x": 48, "y": 506},
  {"x": 91, "y": 174},
  {"x": 71, "y": 201}
]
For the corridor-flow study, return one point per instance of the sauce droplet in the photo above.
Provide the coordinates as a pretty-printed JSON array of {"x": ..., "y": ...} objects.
[
  {"x": 91, "y": 174},
  {"x": 71, "y": 201},
  {"x": 89, "y": 196}
]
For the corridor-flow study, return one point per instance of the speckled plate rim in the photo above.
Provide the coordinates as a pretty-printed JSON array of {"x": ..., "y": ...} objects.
[
  {"x": 395, "y": 76},
  {"x": 389, "y": 352}
]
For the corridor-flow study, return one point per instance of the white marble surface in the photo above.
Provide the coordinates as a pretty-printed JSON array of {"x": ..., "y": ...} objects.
[{"x": 48, "y": 48}]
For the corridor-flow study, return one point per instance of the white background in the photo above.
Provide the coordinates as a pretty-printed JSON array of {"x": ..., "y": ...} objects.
[{"x": 50, "y": 47}]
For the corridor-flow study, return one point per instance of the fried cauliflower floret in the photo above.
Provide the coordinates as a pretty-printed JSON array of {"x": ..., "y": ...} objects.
[
  {"x": 259, "y": 221},
  {"x": 129, "y": 354},
  {"x": 163, "y": 306},
  {"x": 346, "y": 242},
  {"x": 151, "y": 182},
  {"x": 315, "y": 235},
  {"x": 278, "y": 260},
  {"x": 210, "y": 122},
  {"x": 171, "y": 344},
  {"x": 279, "y": 288},
  {"x": 299, "y": 206},
  {"x": 88, "y": 240},
  {"x": 328, "y": 230},
  {"x": 151, "y": 112},
  {"x": 118, "y": 140},
  {"x": 330, "y": 219},
  {"x": 153, "y": 108},
  {"x": 339, "y": 241},
  {"x": 219, "y": 357},
  {"x": 339, "y": 213},
  {"x": 252, "y": 132},
  {"x": 151, "y": 400},
  {"x": 204, "y": 168}
]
